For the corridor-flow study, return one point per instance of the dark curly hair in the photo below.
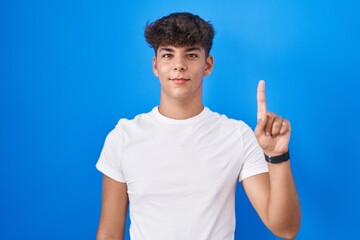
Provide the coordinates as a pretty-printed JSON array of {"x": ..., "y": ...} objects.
[{"x": 180, "y": 29}]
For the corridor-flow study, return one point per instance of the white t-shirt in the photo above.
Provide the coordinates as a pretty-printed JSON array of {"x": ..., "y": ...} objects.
[{"x": 181, "y": 174}]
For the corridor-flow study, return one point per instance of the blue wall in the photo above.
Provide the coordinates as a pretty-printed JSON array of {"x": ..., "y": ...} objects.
[{"x": 70, "y": 69}]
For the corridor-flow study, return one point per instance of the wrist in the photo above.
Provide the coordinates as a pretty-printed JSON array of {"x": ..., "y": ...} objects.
[{"x": 277, "y": 158}]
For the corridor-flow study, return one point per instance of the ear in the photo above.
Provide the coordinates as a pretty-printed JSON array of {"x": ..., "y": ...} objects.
[
  {"x": 154, "y": 67},
  {"x": 209, "y": 64}
]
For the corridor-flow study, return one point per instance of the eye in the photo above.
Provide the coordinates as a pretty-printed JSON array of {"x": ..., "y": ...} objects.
[
  {"x": 167, "y": 55},
  {"x": 191, "y": 55}
]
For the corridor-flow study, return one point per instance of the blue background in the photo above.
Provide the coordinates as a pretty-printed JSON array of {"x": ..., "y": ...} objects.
[{"x": 70, "y": 69}]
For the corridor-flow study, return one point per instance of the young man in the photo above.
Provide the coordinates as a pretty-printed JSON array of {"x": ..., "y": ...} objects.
[{"x": 178, "y": 165}]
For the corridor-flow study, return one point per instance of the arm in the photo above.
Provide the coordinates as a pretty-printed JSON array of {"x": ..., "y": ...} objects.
[
  {"x": 273, "y": 194},
  {"x": 113, "y": 210},
  {"x": 274, "y": 198}
]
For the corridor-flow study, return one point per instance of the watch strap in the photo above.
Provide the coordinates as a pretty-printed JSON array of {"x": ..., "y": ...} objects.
[{"x": 278, "y": 159}]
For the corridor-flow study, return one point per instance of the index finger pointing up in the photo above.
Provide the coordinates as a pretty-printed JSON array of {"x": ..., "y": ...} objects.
[{"x": 261, "y": 100}]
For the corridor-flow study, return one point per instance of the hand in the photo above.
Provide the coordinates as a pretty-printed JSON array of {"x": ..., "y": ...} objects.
[{"x": 272, "y": 132}]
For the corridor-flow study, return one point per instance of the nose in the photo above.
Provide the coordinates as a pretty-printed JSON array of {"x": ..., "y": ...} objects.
[{"x": 179, "y": 64}]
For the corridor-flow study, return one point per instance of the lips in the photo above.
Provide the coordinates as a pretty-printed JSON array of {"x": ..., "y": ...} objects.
[{"x": 179, "y": 80}]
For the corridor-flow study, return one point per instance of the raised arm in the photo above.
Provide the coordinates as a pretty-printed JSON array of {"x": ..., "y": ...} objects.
[
  {"x": 273, "y": 194},
  {"x": 113, "y": 210}
]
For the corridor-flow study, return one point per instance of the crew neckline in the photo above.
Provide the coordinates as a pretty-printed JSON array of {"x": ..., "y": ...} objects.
[{"x": 202, "y": 115}]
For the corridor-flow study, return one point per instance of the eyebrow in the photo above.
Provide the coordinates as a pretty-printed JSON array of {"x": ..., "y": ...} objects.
[
  {"x": 190, "y": 49},
  {"x": 166, "y": 49}
]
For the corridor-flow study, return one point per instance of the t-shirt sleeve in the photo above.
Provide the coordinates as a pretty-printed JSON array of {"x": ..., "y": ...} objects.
[
  {"x": 253, "y": 156},
  {"x": 109, "y": 162}
]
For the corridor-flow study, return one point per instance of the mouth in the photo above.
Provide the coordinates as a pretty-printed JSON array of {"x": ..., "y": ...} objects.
[{"x": 179, "y": 80}]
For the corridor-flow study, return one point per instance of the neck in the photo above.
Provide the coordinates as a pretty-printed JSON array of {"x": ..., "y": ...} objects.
[{"x": 177, "y": 109}]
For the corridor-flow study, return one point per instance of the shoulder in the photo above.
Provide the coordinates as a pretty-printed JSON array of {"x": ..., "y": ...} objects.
[
  {"x": 228, "y": 122},
  {"x": 126, "y": 127},
  {"x": 234, "y": 127},
  {"x": 139, "y": 119}
]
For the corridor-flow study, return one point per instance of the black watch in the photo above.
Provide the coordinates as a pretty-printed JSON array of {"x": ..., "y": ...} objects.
[{"x": 278, "y": 159}]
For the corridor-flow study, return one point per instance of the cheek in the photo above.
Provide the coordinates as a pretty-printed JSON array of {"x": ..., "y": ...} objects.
[
  {"x": 201, "y": 71},
  {"x": 162, "y": 68}
]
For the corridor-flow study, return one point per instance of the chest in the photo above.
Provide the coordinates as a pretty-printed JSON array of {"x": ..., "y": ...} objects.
[{"x": 173, "y": 163}]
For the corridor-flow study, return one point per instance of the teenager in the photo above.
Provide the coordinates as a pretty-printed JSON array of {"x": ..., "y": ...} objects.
[{"x": 179, "y": 164}]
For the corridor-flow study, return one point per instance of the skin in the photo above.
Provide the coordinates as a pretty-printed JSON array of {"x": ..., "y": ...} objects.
[
  {"x": 114, "y": 206},
  {"x": 273, "y": 194},
  {"x": 181, "y": 71}
]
